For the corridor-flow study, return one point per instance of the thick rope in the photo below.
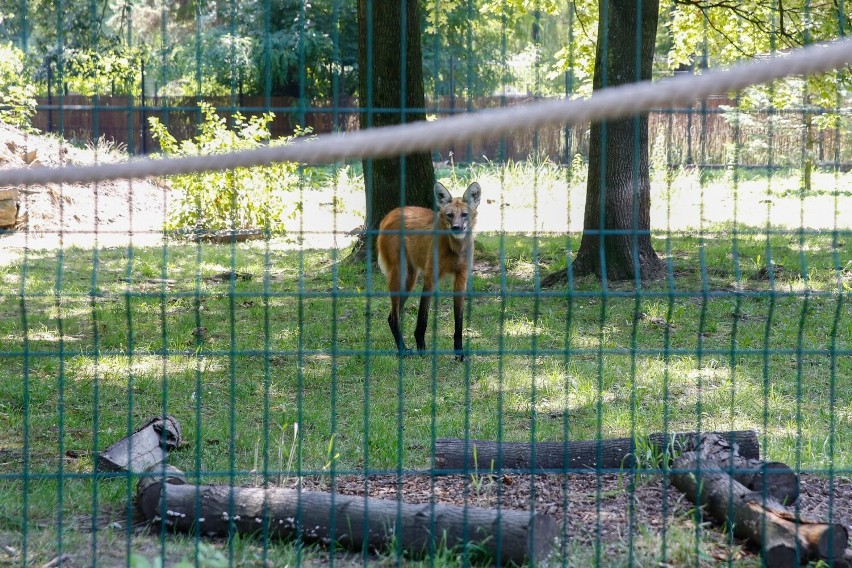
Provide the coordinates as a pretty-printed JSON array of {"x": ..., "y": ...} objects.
[{"x": 611, "y": 103}]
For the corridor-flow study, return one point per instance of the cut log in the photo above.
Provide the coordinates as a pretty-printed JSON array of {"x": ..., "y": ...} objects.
[
  {"x": 507, "y": 536},
  {"x": 453, "y": 454},
  {"x": 775, "y": 479},
  {"x": 783, "y": 538},
  {"x": 846, "y": 561},
  {"x": 147, "y": 446}
]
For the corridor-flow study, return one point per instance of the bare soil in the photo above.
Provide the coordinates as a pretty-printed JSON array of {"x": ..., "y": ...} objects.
[
  {"x": 609, "y": 508},
  {"x": 105, "y": 214}
]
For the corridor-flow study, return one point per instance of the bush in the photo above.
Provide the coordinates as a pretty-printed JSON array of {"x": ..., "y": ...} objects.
[
  {"x": 238, "y": 199},
  {"x": 17, "y": 96}
]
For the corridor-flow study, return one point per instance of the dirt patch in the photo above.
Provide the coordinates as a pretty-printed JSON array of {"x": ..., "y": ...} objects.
[{"x": 104, "y": 214}]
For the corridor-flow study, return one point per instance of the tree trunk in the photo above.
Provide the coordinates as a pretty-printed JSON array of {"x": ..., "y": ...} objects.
[
  {"x": 505, "y": 535},
  {"x": 453, "y": 454},
  {"x": 386, "y": 100},
  {"x": 619, "y": 175}
]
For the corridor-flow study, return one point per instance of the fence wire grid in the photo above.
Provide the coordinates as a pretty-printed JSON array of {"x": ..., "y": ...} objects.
[{"x": 642, "y": 354}]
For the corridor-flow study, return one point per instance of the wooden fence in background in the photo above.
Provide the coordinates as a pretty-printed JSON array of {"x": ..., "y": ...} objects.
[{"x": 702, "y": 135}]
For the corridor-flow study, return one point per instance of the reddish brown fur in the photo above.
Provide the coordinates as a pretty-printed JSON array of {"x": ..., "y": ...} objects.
[{"x": 445, "y": 236}]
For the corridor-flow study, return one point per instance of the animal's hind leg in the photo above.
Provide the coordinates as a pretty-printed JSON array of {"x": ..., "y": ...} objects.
[
  {"x": 410, "y": 280},
  {"x": 397, "y": 301}
]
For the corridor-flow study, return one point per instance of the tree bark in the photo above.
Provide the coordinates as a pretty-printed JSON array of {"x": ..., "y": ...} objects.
[
  {"x": 352, "y": 522},
  {"x": 453, "y": 454},
  {"x": 390, "y": 75},
  {"x": 619, "y": 175},
  {"x": 784, "y": 538}
]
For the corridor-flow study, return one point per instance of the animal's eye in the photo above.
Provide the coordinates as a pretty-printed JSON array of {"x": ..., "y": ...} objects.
[
  {"x": 449, "y": 215},
  {"x": 464, "y": 214}
]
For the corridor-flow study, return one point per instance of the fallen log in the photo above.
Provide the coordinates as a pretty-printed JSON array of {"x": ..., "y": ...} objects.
[
  {"x": 784, "y": 538},
  {"x": 774, "y": 479},
  {"x": 352, "y": 522},
  {"x": 456, "y": 454},
  {"x": 147, "y": 446},
  {"x": 845, "y": 562}
]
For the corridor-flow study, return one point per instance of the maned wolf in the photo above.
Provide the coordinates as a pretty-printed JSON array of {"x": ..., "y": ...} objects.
[{"x": 445, "y": 238}]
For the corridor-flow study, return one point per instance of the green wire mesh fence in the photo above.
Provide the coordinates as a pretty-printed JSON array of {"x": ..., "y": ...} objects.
[{"x": 200, "y": 369}]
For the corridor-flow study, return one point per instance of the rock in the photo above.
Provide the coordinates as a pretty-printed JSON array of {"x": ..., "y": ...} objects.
[{"x": 8, "y": 208}]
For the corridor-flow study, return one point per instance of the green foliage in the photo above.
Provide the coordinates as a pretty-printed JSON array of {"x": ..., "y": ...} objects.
[
  {"x": 712, "y": 34},
  {"x": 46, "y": 25},
  {"x": 16, "y": 92},
  {"x": 237, "y": 199},
  {"x": 463, "y": 53},
  {"x": 207, "y": 556},
  {"x": 488, "y": 47},
  {"x": 577, "y": 54},
  {"x": 309, "y": 46},
  {"x": 91, "y": 72}
]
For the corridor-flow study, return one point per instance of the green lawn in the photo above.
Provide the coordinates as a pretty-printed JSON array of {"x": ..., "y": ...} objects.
[{"x": 105, "y": 339}]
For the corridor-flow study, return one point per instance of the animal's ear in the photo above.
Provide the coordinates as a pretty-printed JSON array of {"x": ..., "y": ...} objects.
[
  {"x": 472, "y": 195},
  {"x": 442, "y": 196}
]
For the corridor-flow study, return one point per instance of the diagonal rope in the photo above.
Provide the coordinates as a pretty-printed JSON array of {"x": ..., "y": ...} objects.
[{"x": 611, "y": 103}]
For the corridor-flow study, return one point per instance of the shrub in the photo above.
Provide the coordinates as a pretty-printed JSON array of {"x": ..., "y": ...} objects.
[
  {"x": 17, "y": 96},
  {"x": 236, "y": 199}
]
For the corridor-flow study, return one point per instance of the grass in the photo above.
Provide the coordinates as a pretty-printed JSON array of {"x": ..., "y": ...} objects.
[{"x": 739, "y": 336}]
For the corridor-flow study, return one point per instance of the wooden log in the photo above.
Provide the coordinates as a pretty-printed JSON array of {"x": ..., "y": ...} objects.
[
  {"x": 454, "y": 454},
  {"x": 352, "y": 522},
  {"x": 846, "y": 561},
  {"x": 147, "y": 446},
  {"x": 783, "y": 538},
  {"x": 775, "y": 479}
]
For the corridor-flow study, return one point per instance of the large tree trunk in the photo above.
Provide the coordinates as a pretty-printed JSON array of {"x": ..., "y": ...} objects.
[
  {"x": 385, "y": 100},
  {"x": 619, "y": 176}
]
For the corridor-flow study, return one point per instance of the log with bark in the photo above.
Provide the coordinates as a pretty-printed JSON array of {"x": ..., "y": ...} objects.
[
  {"x": 352, "y": 522},
  {"x": 845, "y": 562},
  {"x": 147, "y": 446},
  {"x": 784, "y": 538},
  {"x": 454, "y": 454}
]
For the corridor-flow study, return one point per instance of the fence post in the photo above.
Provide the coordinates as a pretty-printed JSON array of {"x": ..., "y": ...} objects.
[
  {"x": 452, "y": 95},
  {"x": 567, "y": 130},
  {"x": 144, "y": 118},
  {"x": 49, "y": 95}
]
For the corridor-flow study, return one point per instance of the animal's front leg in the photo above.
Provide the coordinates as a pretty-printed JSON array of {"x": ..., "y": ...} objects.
[{"x": 458, "y": 314}]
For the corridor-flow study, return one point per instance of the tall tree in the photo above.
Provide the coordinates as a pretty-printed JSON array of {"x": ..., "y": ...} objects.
[
  {"x": 616, "y": 228},
  {"x": 390, "y": 72}
]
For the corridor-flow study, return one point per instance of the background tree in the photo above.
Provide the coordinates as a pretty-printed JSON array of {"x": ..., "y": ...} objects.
[
  {"x": 390, "y": 73},
  {"x": 699, "y": 34},
  {"x": 618, "y": 194},
  {"x": 310, "y": 45}
]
